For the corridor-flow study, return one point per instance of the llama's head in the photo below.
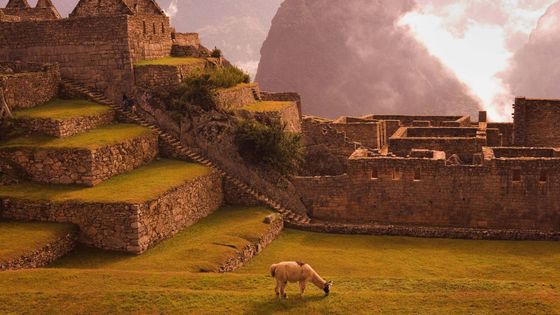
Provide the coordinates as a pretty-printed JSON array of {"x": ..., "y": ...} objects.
[{"x": 327, "y": 288}]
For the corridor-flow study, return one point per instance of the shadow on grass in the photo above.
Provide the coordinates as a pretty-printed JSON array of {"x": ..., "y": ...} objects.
[
  {"x": 293, "y": 302},
  {"x": 90, "y": 258}
]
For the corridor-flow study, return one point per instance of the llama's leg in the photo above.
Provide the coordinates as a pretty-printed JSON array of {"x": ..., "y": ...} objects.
[
  {"x": 283, "y": 290},
  {"x": 277, "y": 289},
  {"x": 302, "y": 287}
]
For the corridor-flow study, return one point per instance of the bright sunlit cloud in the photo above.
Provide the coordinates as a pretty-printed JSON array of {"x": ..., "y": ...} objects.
[{"x": 476, "y": 40}]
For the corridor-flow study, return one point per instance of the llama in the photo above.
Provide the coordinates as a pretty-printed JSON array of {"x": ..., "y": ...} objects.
[{"x": 295, "y": 271}]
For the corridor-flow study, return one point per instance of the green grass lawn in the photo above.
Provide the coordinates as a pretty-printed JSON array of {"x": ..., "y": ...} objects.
[
  {"x": 91, "y": 139},
  {"x": 268, "y": 106},
  {"x": 139, "y": 185},
  {"x": 20, "y": 238},
  {"x": 170, "y": 61},
  {"x": 59, "y": 109},
  {"x": 388, "y": 275}
]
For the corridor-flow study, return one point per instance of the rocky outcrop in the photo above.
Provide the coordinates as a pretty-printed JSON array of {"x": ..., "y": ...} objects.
[{"x": 351, "y": 58}]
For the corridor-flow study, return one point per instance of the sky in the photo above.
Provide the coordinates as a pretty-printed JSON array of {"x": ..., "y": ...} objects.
[{"x": 476, "y": 39}]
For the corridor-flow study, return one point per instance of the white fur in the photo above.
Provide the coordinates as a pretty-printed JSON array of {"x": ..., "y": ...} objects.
[{"x": 291, "y": 271}]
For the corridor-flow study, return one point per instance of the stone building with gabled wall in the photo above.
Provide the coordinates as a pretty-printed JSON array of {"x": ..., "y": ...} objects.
[{"x": 97, "y": 45}]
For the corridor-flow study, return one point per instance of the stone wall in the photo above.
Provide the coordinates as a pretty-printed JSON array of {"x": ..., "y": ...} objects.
[
  {"x": 236, "y": 197},
  {"x": 427, "y": 232},
  {"x": 149, "y": 36},
  {"x": 501, "y": 194},
  {"x": 93, "y": 50},
  {"x": 186, "y": 39},
  {"x": 87, "y": 167},
  {"x": 288, "y": 116},
  {"x": 164, "y": 75},
  {"x": 33, "y": 14},
  {"x": 65, "y": 127},
  {"x": 465, "y": 147},
  {"x": 235, "y": 97},
  {"x": 178, "y": 209},
  {"x": 283, "y": 97},
  {"x": 317, "y": 132},
  {"x": 23, "y": 78},
  {"x": 44, "y": 255},
  {"x": 251, "y": 250},
  {"x": 126, "y": 227},
  {"x": 506, "y": 132},
  {"x": 435, "y": 121},
  {"x": 369, "y": 134},
  {"x": 535, "y": 123}
]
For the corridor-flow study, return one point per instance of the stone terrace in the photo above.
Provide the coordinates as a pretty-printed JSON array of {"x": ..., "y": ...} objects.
[{"x": 133, "y": 201}]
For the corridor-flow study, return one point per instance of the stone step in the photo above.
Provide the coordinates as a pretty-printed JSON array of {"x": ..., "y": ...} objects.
[
  {"x": 130, "y": 212},
  {"x": 64, "y": 118},
  {"x": 179, "y": 148},
  {"x": 85, "y": 159}
]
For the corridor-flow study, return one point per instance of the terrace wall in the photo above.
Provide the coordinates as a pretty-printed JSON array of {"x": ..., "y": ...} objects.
[
  {"x": 22, "y": 78},
  {"x": 82, "y": 166},
  {"x": 127, "y": 227},
  {"x": 66, "y": 127},
  {"x": 502, "y": 194},
  {"x": 163, "y": 75},
  {"x": 235, "y": 97}
]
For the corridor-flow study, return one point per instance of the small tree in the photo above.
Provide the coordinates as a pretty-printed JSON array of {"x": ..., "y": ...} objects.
[
  {"x": 267, "y": 144},
  {"x": 216, "y": 53}
]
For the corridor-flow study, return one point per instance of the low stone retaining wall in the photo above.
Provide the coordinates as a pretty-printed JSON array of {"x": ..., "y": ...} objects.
[
  {"x": 126, "y": 227},
  {"x": 251, "y": 250},
  {"x": 162, "y": 218},
  {"x": 83, "y": 166},
  {"x": 66, "y": 127},
  {"x": 164, "y": 75},
  {"x": 43, "y": 256},
  {"x": 428, "y": 232},
  {"x": 30, "y": 85},
  {"x": 235, "y": 97}
]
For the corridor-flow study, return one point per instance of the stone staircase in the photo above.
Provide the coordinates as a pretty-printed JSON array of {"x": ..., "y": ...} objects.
[{"x": 188, "y": 153}]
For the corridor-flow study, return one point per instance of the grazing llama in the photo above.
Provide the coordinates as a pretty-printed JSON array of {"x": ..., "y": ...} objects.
[{"x": 295, "y": 271}]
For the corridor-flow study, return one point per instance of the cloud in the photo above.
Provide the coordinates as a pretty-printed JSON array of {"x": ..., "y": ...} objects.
[
  {"x": 172, "y": 9},
  {"x": 477, "y": 41}
]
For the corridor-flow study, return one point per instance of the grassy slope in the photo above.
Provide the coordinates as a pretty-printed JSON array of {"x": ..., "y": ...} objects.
[
  {"x": 371, "y": 274},
  {"x": 92, "y": 139},
  {"x": 136, "y": 186},
  {"x": 201, "y": 247},
  {"x": 63, "y": 109},
  {"x": 170, "y": 61},
  {"x": 18, "y": 238},
  {"x": 268, "y": 106}
]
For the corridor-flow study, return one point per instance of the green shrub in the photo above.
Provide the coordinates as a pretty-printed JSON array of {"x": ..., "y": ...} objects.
[
  {"x": 267, "y": 144},
  {"x": 199, "y": 87},
  {"x": 216, "y": 53},
  {"x": 227, "y": 77}
]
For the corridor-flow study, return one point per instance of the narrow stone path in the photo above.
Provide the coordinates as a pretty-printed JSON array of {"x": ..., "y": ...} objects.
[{"x": 288, "y": 215}]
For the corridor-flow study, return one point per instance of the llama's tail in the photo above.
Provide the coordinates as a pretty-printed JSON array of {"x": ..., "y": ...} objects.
[{"x": 273, "y": 271}]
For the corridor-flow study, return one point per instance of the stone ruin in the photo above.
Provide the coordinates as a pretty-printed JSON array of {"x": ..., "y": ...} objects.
[
  {"x": 445, "y": 172},
  {"x": 442, "y": 171}
]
